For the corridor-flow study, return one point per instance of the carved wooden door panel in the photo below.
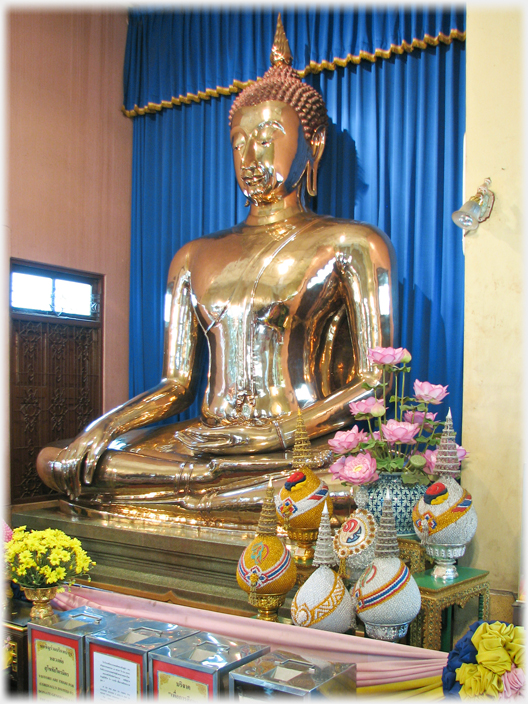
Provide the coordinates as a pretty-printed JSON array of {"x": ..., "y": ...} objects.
[{"x": 55, "y": 387}]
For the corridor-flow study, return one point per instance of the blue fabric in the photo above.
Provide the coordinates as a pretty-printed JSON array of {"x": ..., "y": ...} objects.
[
  {"x": 394, "y": 158},
  {"x": 174, "y": 52},
  {"x": 463, "y": 652}
]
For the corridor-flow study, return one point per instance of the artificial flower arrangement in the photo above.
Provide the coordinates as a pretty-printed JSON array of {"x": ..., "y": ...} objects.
[
  {"x": 404, "y": 443},
  {"x": 487, "y": 661},
  {"x": 45, "y": 558}
]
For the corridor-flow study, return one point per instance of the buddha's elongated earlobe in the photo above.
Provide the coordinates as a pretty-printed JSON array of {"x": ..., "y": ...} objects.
[
  {"x": 311, "y": 179},
  {"x": 317, "y": 144}
]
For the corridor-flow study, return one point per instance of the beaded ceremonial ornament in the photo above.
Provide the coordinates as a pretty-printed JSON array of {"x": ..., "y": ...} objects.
[
  {"x": 323, "y": 602},
  {"x": 445, "y": 518},
  {"x": 355, "y": 541},
  {"x": 265, "y": 569},
  {"x": 300, "y": 501},
  {"x": 386, "y": 596}
]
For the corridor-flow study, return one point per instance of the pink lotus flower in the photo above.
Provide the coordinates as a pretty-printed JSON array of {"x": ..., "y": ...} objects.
[
  {"x": 418, "y": 417},
  {"x": 430, "y": 461},
  {"x": 346, "y": 440},
  {"x": 389, "y": 355},
  {"x": 430, "y": 458},
  {"x": 358, "y": 469},
  {"x": 461, "y": 452},
  {"x": 513, "y": 682},
  {"x": 395, "y": 431},
  {"x": 370, "y": 405},
  {"x": 336, "y": 467},
  {"x": 429, "y": 393}
]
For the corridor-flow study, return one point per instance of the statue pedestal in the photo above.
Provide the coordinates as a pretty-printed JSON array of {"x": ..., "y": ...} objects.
[{"x": 187, "y": 565}]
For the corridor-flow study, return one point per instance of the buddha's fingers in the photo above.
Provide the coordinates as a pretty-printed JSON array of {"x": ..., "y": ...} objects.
[
  {"x": 91, "y": 459},
  {"x": 193, "y": 440}
]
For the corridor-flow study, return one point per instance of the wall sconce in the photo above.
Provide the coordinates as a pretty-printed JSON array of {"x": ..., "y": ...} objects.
[{"x": 477, "y": 209}]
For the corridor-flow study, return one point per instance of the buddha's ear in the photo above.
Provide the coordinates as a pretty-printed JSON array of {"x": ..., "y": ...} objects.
[{"x": 317, "y": 145}]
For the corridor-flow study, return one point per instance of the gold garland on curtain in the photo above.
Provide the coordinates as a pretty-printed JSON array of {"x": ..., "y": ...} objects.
[{"x": 313, "y": 67}]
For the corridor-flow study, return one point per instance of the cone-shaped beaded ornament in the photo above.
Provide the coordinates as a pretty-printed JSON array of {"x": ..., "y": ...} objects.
[
  {"x": 445, "y": 518},
  {"x": 323, "y": 602},
  {"x": 387, "y": 596},
  {"x": 301, "y": 499},
  {"x": 447, "y": 462},
  {"x": 324, "y": 552},
  {"x": 266, "y": 570}
]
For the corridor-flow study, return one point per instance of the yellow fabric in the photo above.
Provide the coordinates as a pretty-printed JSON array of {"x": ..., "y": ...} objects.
[
  {"x": 477, "y": 680},
  {"x": 495, "y": 659},
  {"x": 313, "y": 67},
  {"x": 430, "y": 693},
  {"x": 420, "y": 684},
  {"x": 498, "y": 644},
  {"x": 515, "y": 647},
  {"x": 496, "y": 631}
]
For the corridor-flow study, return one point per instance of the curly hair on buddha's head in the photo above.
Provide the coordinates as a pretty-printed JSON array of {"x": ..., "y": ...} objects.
[{"x": 284, "y": 84}]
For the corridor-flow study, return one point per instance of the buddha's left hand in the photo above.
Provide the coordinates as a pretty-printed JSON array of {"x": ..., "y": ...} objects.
[{"x": 243, "y": 438}]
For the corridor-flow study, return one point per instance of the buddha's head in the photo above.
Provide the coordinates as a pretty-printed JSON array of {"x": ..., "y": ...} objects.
[{"x": 278, "y": 130}]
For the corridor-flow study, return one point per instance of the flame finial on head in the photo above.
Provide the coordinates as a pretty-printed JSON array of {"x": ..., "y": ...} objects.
[
  {"x": 280, "y": 51},
  {"x": 282, "y": 82}
]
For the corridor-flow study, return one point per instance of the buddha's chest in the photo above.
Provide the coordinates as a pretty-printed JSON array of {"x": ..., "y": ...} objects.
[{"x": 264, "y": 282}]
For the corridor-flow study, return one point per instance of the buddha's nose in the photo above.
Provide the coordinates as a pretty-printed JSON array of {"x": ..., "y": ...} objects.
[{"x": 249, "y": 160}]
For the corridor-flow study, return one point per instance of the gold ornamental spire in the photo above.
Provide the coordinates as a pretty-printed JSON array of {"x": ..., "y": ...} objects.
[
  {"x": 267, "y": 524},
  {"x": 302, "y": 452},
  {"x": 280, "y": 51}
]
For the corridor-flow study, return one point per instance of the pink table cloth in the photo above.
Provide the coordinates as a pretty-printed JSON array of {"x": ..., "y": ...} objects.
[{"x": 378, "y": 662}]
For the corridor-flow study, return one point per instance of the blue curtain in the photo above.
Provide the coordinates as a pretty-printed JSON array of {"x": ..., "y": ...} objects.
[{"x": 394, "y": 154}]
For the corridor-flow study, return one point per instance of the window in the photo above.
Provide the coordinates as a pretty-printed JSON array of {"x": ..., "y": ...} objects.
[{"x": 56, "y": 293}]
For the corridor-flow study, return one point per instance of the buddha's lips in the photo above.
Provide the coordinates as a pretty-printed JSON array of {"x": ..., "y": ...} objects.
[{"x": 253, "y": 177}]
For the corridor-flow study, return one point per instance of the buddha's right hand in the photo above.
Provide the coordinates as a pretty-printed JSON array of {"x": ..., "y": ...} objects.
[{"x": 82, "y": 455}]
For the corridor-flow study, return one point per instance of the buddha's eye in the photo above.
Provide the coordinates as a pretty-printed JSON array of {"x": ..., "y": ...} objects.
[
  {"x": 238, "y": 144},
  {"x": 266, "y": 135}
]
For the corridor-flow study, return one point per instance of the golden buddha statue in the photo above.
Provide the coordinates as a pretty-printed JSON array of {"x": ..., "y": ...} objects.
[{"x": 288, "y": 302}]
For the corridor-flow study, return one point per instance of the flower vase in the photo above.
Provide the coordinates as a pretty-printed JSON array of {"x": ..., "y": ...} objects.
[
  {"x": 41, "y": 597},
  {"x": 404, "y": 497}
]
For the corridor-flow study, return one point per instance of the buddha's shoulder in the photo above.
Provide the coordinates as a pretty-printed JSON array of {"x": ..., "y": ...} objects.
[
  {"x": 347, "y": 230},
  {"x": 196, "y": 246},
  {"x": 210, "y": 239}
]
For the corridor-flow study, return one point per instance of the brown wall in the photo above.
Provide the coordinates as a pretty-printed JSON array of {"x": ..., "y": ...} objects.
[{"x": 70, "y": 157}]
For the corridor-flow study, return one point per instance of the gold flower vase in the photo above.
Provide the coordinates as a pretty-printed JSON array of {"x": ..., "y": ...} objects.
[
  {"x": 41, "y": 597},
  {"x": 268, "y": 605}
]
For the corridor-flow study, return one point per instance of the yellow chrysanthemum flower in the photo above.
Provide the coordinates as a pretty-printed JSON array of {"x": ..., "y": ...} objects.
[{"x": 44, "y": 558}]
